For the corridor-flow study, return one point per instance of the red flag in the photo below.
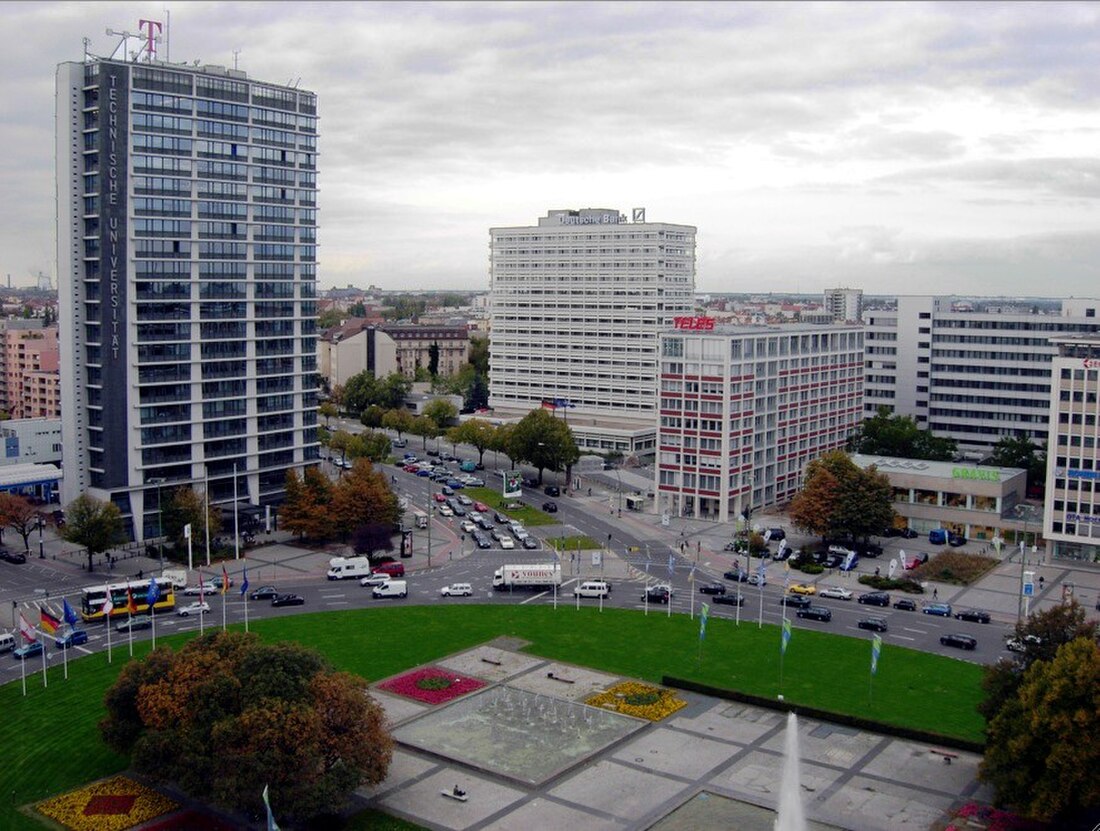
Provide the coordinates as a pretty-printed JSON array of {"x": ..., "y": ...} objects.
[
  {"x": 108, "y": 604},
  {"x": 131, "y": 606},
  {"x": 225, "y": 580},
  {"x": 25, "y": 628}
]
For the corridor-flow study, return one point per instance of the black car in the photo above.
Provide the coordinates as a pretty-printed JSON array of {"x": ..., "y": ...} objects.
[
  {"x": 712, "y": 588},
  {"x": 905, "y": 604},
  {"x": 265, "y": 593},
  {"x": 657, "y": 594},
  {"x": 797, "y": 600},
  {"x": 500, "y": 518},
  {"x": 959, "y": 641},
  {"x": 16, "y": 557},
  {"x": 530, "y": 542},
  {"x": 891, "y": 532},
  {"x": 777, "y": 534},
  {"x": 552, "y": 490},
  {"x": 909, "y": 533},
  {"x": 530, "y": 482},
  {"x": 874, "y": 599},
  {"x": 816, "y": 613},
  {"x": 288, "y": 600},
  {"x": 833, "y": 561},
  {"x": 869, "y": 550},
  {"x": 782, "y": 554},
  {"x": 729, "y": 599},
  {"x": 973, "y": 615},
  {"x": 739, "y": 576},
  {"x": 875, "y": 624},
  {"x": 956, "y": 540},
  {"x": 550, "y": 507}
]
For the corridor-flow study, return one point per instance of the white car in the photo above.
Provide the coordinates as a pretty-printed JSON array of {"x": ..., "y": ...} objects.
[
  {"x": 456, "y": 590},
  {"x": 507, "y": 543},
  {"x": 445, "y": 510},
  {"x": 837, "y": 592},
  {"x": 206, "y": 588},
  {"x": 755, "y": 580},
  {"x": 198, "y": 607},
  {"x": 520, "y": 534},
  {"x": 464, "y": 499},
  {"x": 372, "y": 580},
  {"x": 468, "y": 526}
]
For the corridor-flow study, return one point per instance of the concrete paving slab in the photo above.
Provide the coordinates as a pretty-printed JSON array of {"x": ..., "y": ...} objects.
[
  {"x": 397, "y": 709},
  {"x": 490, "y": 663},
  {"x": 903, "y": 761},
  {"x": 828, "y": 744},
  {"x": 709, "y": 810},
  {"x": 733, "y": 722},
  {"x": 545, "y": 813},
  {"x": 404, "y": 767},
  {"x": 618, "y": 790},
  {"x": 758, "y": 776},
  {"x": 665, "y": 751},
  {"x": 586, "y": 682},
  {"x": 423, "y": 799},
  {"x": 884, "y": 806}
]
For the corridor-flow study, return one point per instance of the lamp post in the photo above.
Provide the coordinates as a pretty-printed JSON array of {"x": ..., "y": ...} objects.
[
  {"x": 1021, "y": 512},
  {"x": 41, "y": 551},
  {"x": 619, "y": 477},
  {"x": 158, "y": 481}
]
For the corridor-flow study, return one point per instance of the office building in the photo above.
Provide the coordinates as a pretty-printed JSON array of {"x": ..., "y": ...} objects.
[
  {"x": 1072, "y": 510},
  {"x": 29, "y": 361},
  {"x": 186, "y": 234},
  {"x": 578, "y": 303},
  {"x": 844, "y": 305},
  {"x": 744, "y": 408},
  {"x": 970, "y": 375}
]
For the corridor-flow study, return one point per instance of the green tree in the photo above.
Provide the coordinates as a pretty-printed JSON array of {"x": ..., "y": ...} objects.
[
  {"x": 328, "y": 411},
  {"x": 425, "y": 428},
  {"x": 372, "y": 416},
  {"x": 476, "y": 432},
  {"x": 227, "y": 715},
  {"x": 93, "y": 524},
  {"x": 839, "y": 499},
  {"x": 1021, "y": 452},
  {"x": 360, "y": 392},
  {"x": 479, "y": 355},
  {"x": 504, "y": 442},
  {"x": 187, "y": 506},
  {"x": 329, "y": 318},
  {"x": 392, "y": 391},
  {"x": 1043, "y": 746},
  {"x": 545, "y": 442},
  {"x": 477, "y": 393},
  {"x": 886, "y": 434},
  {"x": 371, "y": 445},
  {"x": 441, "y": 411},
  {"x": 398, "y": 420}
]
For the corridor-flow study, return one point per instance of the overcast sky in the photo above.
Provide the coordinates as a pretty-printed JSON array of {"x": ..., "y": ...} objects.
[{"x": 908, "y": 148}]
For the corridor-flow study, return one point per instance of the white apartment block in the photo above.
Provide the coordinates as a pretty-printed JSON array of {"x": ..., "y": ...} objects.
[
  {"x": 845, "y": 305},
  {"x": 1071, "y": 521},
  {"x": 743, "y": 410},
  {"x": 578, "y": 303},
  {"x": 973, "y": 376}
]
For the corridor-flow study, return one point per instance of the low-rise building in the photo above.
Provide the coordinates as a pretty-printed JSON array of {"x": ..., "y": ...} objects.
[{"x": 356, "y": 346}]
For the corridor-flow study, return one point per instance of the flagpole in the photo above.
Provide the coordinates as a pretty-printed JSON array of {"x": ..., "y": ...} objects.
[
  {"x": 153, "y": 618},
  {"x": 237, "y": 537},
  {"x": 107, "y": 620},
  {"x": 224, "y": 588},
  {"x": 130, "y": 612},
  {"x": 190, "y": 557},
  {"x": 206, "y": 510},
  {"x": 65, "y": 657},
  {"x": 245, "y": 596},
  {"x": 44, "y": 682}
]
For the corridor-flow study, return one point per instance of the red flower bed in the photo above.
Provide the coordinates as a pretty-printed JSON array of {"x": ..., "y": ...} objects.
[
  {"x": 432, "y": 685},
  {"x": 107, "y": 804}
]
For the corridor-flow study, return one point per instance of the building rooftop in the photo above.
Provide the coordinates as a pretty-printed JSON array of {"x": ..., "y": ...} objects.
[{"x": 937, "y": 470}]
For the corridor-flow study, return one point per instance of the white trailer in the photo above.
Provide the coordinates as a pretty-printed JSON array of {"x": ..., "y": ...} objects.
[
  {"x": 345, "y": 568},
  {"x": 528, "y": 577}
]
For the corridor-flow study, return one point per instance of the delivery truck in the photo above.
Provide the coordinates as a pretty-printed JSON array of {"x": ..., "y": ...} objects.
[
  {"x": 530, "y": 577},
  {"x": 345, "y": 568}
]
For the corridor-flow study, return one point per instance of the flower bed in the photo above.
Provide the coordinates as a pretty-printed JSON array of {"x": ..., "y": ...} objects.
[
  {"x": 974, "y": 815},
  {"x": 432, "y": 685},
  {"x": 641, "y": 700},
  {"x": 112, "y": 804}
]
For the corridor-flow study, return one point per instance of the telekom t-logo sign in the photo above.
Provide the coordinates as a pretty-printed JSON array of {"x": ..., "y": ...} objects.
[{"x": 152, "y": 29}]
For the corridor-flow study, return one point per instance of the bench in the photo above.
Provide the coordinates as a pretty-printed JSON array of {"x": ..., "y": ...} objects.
[
  {"x": 947, "y": 755},
  {"x": 456, "y": 794},
  {"x": 491, "y": 661},
  {"x": 553, "y": 677}
]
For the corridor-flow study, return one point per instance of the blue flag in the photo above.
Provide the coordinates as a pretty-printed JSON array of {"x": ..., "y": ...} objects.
[
  {"x": 703, "y": 621},
  {"x": 876, "y": 648},
  {"x": 785, "y": 638},
  {"x": 153, "y": 595},
  {"x": 244, "y": 582},
  {"x": 69, "y": 614}
]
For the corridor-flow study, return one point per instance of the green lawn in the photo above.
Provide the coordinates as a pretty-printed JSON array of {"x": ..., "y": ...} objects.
[
  {"x": 51, "y": 742},
  {"x": 525, "y": 513},
  {"x": 573, "y": 543}
]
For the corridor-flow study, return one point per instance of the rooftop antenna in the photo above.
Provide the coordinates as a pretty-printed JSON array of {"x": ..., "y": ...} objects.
[
  {"x": 167, "y": 26},
  {"x": 236, "y": 54}
]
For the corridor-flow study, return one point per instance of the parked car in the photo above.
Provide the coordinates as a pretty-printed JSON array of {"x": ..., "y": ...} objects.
[
  {"x": 469, "y": 526},
  {"x": 500, "y": 518},
  {"x": 74, "y": 637},
  {"x": 483, "y": 541},
  {"x": 440, "y": 497},
  {"x": 507, "y": 543},
  {"x": 905, "y": 604},
  {"x": 530, "y": 542},
  {"x": 959, "y": 641},
  {"x": 890, "y": 532},
  {"x": 447, "y": 490},
  {"x": 14, "y": 557},
  {"x": 973, "y": 615},
  {"x": 816, "y": 613},
  {"x": 712, "y": 588},
  {"x": 657, "y": 594},
  {"x": 909, "y": 534},
  {"x": 795, "y": 600},
  {"x": 938, "y": 609},
  {"x": 918, "y": 560},
  {"x": 198, "y": 607},
  {"x": 456, "y": 590},
  {"x": 937, "y": 536},
  {"x": 552, "y": 490},
  {"x": 956, "y": 540},
  {"x": 737, "y": 575},
  {"x": 288, "y": 600},
  {"x": 465, "y": 501},
  {"x": 776, "y": 534},
  {"x": 833, "y": 561},
  {"x": 392, "y": 569},
  {"x": 30, "y": 650},
  {"x": 481, "y": 507},
  {"x": 1014, "y": 644},
  {"x": 874, "y": 599},
  {"x": 550, "y": 507},
  {"x": 734, "y": 599},
  {"x": 869, "y": 549},
  {"x": 802, "y": 588},
  {"x": 134, "y": 624},
  {"x": 875, "y": 624},
  {"x": 836, "y": 592},
  {"x": 840, "y": 550}
]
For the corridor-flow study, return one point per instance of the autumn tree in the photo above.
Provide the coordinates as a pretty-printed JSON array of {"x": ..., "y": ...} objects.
[
  {"x": 227, "y": 715},
  {"x": 398, "y": 420},
  {"x": 1043, "y": 745},
  {"x": 93, "y": 524},
  {"x": 887, "y": 434},
  {"x": 425, "y": 428},
  {"x": 17, "y": 513},
  {"x": 372, "y": 538},
  {"x": 305, "y": 507},
  {"x": 476, "y": 432},
  {"x": 839, "y": 499},
  {"x": 362, "y": 497}
]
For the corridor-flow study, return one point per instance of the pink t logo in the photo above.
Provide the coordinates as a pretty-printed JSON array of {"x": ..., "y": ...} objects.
[{"x": 151, "y": 35}]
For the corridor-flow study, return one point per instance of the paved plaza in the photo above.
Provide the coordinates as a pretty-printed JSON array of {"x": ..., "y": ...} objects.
[{"x": 713, "y": 764}]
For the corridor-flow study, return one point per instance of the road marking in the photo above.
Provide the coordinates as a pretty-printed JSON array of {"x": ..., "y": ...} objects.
[
  {"x": 338, "y": 602},
  {"x": 915, "y": 631},
  {"x": 902, "y": 638},
  {"x": 533, "y": 597},
  {"x": 328, "y": 596}
]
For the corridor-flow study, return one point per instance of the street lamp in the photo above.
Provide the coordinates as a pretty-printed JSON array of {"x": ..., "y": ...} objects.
[
  {"x": 619, "y": 476},
  {"x": 1022, "y": 511},
  {"x": 41, "y": 523}
]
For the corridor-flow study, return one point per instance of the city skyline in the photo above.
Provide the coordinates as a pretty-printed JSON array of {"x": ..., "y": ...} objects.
[{"x": 879, "y": 146}]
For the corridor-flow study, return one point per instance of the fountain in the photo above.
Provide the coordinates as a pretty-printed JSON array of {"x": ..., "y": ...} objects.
[{"x": 790, "y": 816}]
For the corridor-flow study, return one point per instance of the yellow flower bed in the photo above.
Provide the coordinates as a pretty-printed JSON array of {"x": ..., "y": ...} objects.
[
  {"x": 113, "y": 804},
  {"x": 642, "y": 700}
]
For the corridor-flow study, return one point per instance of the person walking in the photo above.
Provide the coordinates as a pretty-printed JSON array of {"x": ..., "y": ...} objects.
[{"x": 935, "y": 593}]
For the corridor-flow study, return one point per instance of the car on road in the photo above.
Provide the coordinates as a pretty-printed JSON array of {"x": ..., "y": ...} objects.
[
  {"x": 372, "y": 580},
  {"x": 454, "y": 484},
  {"x": 393, "y": 569},
  {"x": 958, "y": 640},
  {"x": 802, "y": 588},
  {"x": 445, "y": 510},
  {"x": 836, "y": 592},
  {"x": 13, "y": 557},
  {"x": 712, "y": 588},
  {"x": 530, "y": 542},
  {"x": 737, "y": 575},
  {"x": 938, "y": 609},
  {"x": 410, "y": 468},
  {"x": 74, "y": 637},
  {"x": 475, "y": 482},
  {"x": 795, "y": 600},
  {"x": 481, "y": 507},
  {"x": 730, "y": 599},
  {"x": 465, "y": 501},
  {"x": 439, "y": 497},
  {"x": 552, "y": 490},
  {"x": 874, "y": 599},
  {"x": 423, "y": 473},
  {"x": 816, "y": 613},
  {"x": 133, "y": 624},
  {"x": 30, "y": 650},
  {"x": 973, "y": 615},
  {"x": 550, "y": 507},
  {"x": 905, "y": 604},
  {"x": 456, "y": 590},
  {"x": 264, "y": 593},
  {"x": 199, "y": 606},
  {"x": 1014, "y": 644},
  {"x": 875, "y": 624},
  {"x": 469, "y": 526},
  {"x": 447, "y": 490},
  {"x": 507, "y": 543},
  {"x": 657, "y": 594},
  {"x": 756, "y": 580},
  {"x": 483, "y": 541},
  {"x": 501, "y": 519},
  {"x": 288, "y": 600}
]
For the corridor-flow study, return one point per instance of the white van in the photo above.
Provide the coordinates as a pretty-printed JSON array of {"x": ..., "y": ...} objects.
[
  {"x": 7, "y": 642},
  {"x": 345, "y": 568},
  {"x": 592, "y": 588},
  {"x": 394, "y": 588}
]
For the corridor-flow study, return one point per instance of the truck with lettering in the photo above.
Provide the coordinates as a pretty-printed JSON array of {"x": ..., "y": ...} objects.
[{"x": 527, "y": 577}]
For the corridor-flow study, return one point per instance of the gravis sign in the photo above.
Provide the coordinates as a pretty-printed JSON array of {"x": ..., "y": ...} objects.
[
  {"x": 975, "y": 473},
  {"x": 695, "y": 324}
]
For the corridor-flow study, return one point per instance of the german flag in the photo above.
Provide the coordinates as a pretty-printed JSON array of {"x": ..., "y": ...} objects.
[{"x": 49, "y": 622}]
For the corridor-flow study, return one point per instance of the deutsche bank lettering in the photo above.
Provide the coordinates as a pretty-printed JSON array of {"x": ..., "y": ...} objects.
[{"x": 598, "y": 219}]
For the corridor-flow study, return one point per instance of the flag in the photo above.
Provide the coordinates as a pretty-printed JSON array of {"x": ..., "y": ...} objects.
[
  {"x": 225, "y": 580},
  {"x": 25, "y": 629},
  {"x": 202, "y": 588},
  {"x": 108, "y": 604},
  {"x": 271, "y": 824},
  {"x": 786, "y": 636},
  {"x": 187, "y": 531},
  {"x": 691, "y": 575},
  {"x": 50, "y": 623},
  {"x": 671, "y": 563},
  {"x": 244, "y": 581},
  {"x": 876, "y": 648},
  {"x": 152, "y": 595},
  {"x": 760, "y": 573},
  {"x": 848, "y": 561},
  {"x": 703, "y": 621},
  {"x": 131, "y": 606},
  {"x": 68, "y": 613}
]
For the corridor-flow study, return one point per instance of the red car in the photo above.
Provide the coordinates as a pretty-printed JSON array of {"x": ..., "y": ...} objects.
[
  {"x": 439, "y": 497},
  {"x": 481, "y": 507},
  {"x": 410, "y": 468},
  {"x": 392, "y": 569}
]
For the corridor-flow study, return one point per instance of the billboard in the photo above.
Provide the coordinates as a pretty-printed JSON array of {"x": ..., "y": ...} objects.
[{"x": 513, "y": 484}]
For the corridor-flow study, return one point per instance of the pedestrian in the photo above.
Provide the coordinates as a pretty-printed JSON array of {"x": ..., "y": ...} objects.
[
  {"x": 935, "y": 593},
  {"x": 590, "y": 491},
  {"x": 877, "y": 572},
  {"x": 141, "y": 573}
]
